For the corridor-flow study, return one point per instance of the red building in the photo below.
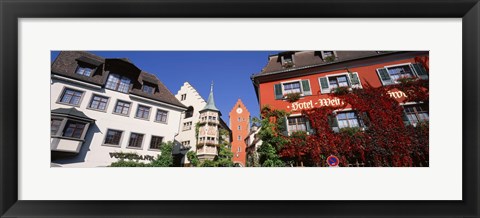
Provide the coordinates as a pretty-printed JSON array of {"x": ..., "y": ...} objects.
[
  {"x": 240, "y": 126},
  {"x": 313, "y": 77}
]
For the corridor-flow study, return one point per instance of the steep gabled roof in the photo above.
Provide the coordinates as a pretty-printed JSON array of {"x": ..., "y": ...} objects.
[{"x": 210, "y": 102}]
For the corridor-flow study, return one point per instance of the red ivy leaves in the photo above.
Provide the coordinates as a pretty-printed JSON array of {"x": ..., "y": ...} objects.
[{"x": 386, "y": 141}]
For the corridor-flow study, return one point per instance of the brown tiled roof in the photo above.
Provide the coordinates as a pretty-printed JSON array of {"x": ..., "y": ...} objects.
[
  {"x": 305, "y": 59},
  {"x": 67, "y": 61},
  {"x": 66, "y": 64}
]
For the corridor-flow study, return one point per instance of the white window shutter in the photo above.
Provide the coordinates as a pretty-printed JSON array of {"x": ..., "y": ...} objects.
[
  {"x": 355, "y": 80},
  {"x": 419, "y": 70},
  {"x": 324, "y": 87},
  {"x": 384, "y": 76}
]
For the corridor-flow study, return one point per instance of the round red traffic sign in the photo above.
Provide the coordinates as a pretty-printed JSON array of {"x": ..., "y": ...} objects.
[{"x": 333, "y": 161}]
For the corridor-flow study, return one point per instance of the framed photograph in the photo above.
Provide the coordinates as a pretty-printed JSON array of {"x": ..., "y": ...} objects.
[{"x": 252, "y": 109}]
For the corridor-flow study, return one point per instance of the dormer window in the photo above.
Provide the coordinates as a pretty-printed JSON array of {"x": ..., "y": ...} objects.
[
  {"x": 329, "y": 56},
  {"x": 148, "y": 88},
  {"x": 84, "y": 71},
  {"x": 118, "y": 83},
  {"x": 287, "y": 60}
]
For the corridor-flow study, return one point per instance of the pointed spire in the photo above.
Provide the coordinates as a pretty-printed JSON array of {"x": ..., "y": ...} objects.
[{"x": 211, "y": 102}]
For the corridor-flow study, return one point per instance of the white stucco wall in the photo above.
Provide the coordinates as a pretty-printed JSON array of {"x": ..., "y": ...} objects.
[
  {"x": 194, "y": 99},
  {"x": 93, "y": 153}
]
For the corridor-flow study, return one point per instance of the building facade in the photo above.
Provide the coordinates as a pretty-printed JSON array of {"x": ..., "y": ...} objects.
[
  {"x": 253, "y": 142},
  {"x": 199, "y": 124},
  {"x": 314, "y": 75},
  {"x": 240, "y": 126},
  {"x": 104, "y": 109}
]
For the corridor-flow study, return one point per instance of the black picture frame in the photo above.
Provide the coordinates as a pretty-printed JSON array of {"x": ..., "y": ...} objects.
[{"x": 11, "y": 11}]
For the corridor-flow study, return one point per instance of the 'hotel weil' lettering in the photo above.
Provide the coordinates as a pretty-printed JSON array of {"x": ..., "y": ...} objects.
[{"x": 325, "y": 102}]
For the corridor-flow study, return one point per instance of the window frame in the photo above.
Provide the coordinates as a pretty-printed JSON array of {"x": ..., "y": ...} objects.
[
  {"x": 64, "y": 90},
  {"x": 95, "y": 109},
  {"x": 302, "y": 91},
  {"x": 409, "y": 64},
  {"x": 287, "y": 123},
  {"x": 119, "y": 140},
  {"x": 60, "y": 127},
  {"x": 151, "y": 87},
  {"x": 166, "y": 119},
  {"x": 141, "y": 145},
  {"x": 413, "y": 104},
  {"x": 149, "y": 112},
  {"x": 82, "y": 135},
  {"x": 121, "y": 114},
  {"x": 79, "y": 66},
  {"x": 349, "y": 81},
  {"x": 360, "y": 122},
  {"x": 118, "y": 84},
  {"x": 150, "y": 143}
]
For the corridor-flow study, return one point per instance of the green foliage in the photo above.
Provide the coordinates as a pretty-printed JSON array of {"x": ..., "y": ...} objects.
[
  {"x": 224, "y": 157},
  {"x": 351, "y": 131},
  {"x": 330, "y": 59},
  {"x": 129, "y": 163},
  {"x": 292, "y": 97},
  {"x": 165, "y": 158},
  {"x": 192, "y": 158},
  {"x": 341, "y": 90},
  {"x": 197, "y": 129}
]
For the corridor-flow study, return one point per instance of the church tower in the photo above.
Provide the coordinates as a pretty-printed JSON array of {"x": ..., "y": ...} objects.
[
  {"x": 240, "y": 126},
  {"x": 208, "y": 131}
]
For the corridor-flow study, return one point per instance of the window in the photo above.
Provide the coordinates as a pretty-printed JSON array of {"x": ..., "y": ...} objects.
[
  {"x": 156, "y": 142},
  {"x": 239, "y": 119},
  {"x": 135, "y": 140},
  {"x": 347, "y": 79},
  {"x": 189, "y": 112},
  {"x": 118, "y": 83},
  {"x": 98, "y": 103},
  {"x": 54, "y": 126},
  {"x": 348, "y": 119},
  {"x": 239, "y": 127},
  {"x": 287, "y": 60},
  {"x": 71, "y": 96},
  {"x": 148, "y": 89},
  {"x": 183, "y": 97},
  {"x": 328, "y": 54},
  {"x": 143, "y": 112},
  {"x": 84, "y": 71},
  {"x": 416, "y": 113},
  {"x": 239, "y": 138},
  {"x": 187, "y": 126},
  {"x": 301, "y": 86},
  {"x": 113, "y": 137},
  {"x": 296, "y": 124},
  {"x": 122, "y": 107},
  {"x": 338, "y": 81},
  {"x": 73, "y": 129},
  {"x": 391, "y": 74},
  {"x": 239, "y": 149},
  {"x": 161, "y": 116},
  {"x": 186, "y": 143}
]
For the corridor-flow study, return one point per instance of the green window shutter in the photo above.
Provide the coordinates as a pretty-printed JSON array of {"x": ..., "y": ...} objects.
[
  {"x": 309, "y": 127},
  {"x": 324, "y": 85},
  {"x": 355, "y": 80},
  {"x": 332, "y": 120},
  {"x": 384, "y": 76},
  {"x": 278, "y": 91},
  {"x": 420, "y": 70},
  {"x": 306, "y": 87},
  {"x": 285, "y": 126}
]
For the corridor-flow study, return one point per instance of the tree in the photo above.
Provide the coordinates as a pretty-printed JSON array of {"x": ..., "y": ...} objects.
[{"x": 165, "y": 158}]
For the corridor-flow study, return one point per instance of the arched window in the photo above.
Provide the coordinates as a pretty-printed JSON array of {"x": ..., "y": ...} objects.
[{"x": 189, "y": 112}]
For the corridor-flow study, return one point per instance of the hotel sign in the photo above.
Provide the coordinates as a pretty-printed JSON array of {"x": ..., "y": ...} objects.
[{"x": 334, "y": 102}]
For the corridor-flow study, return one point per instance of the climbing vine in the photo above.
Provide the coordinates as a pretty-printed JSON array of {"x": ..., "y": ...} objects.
[{"x": 383, "y": 140}]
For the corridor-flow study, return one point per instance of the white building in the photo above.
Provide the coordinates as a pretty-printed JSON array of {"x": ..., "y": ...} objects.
[
  {"x": 187, "y": 138},
  {"x": 103, "y": 109},
  {"x": 253, "y": 142}
]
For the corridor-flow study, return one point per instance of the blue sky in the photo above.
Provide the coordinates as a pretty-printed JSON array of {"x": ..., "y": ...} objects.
[{"x": 230, "y": 71}]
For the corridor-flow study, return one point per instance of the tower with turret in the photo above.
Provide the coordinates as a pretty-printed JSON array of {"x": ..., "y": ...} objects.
[{"x": 208, "y": 130}]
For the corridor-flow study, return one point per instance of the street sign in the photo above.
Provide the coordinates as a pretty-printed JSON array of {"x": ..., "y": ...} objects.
[{"x": 333, "y": 161}]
